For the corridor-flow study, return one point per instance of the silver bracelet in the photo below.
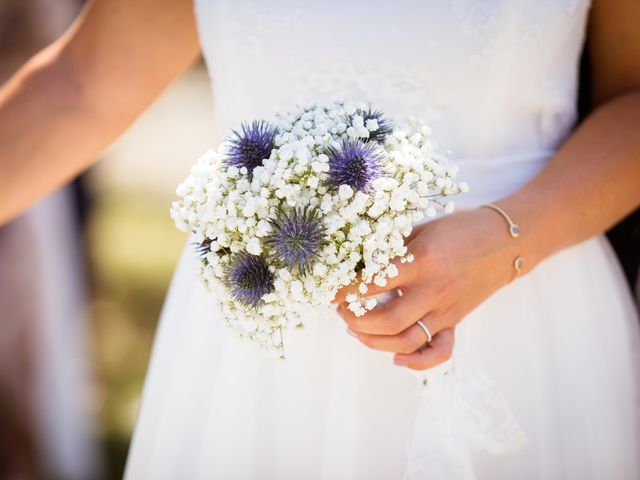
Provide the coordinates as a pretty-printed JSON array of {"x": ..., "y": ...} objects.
[{"x": 514, "y": 231}]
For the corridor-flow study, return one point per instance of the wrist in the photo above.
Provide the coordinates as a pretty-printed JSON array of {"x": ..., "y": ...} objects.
[
  {"x": 503, "y": 248},
  {"x": 528, "y": 246},
  {"x": 517, "y": 247}
]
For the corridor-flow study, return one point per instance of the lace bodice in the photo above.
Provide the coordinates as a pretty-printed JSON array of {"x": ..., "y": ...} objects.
[{"x": 492, "y": 77}]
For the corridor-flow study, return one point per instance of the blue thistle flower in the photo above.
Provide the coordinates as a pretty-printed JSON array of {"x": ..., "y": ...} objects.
[
  {"x": 296, "y": 238},
  {"x": 355, "y": 164},
  {"x": 248, "y": 278},
  {"x": 249, "y": 147},
  {"x": 204, "y": 248},
  {"x": 384, "y": 125}
]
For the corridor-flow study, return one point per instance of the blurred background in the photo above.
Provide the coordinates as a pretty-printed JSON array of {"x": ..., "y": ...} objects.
[
  {"x": 133, "y": 246},
  {"x": 84, "y": 275}
]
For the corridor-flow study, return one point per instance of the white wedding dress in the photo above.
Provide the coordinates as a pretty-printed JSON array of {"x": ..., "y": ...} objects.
[{"x": 545, "y": 380}]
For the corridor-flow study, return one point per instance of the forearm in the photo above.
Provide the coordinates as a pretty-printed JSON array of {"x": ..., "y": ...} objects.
[
  {"x": 45, "y": 134},
  {"x": 592, "y": 182},
  {"x": 78, "y": 95}
]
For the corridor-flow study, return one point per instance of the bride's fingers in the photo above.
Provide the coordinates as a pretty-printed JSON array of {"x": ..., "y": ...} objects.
[
  {"x": 407, "y": 341},
  {"x": 406, "y": 272},
  {"x": 390, "y": 318},
  {"x": 414, "y": 233},
  {"x": 435, "y": 353}
]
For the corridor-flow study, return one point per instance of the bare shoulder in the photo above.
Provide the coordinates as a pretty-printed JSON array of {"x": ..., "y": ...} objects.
[{"x": 614, "y": 47}]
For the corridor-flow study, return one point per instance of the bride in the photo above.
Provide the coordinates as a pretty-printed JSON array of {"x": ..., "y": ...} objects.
[{"x": 532, "y": 370}]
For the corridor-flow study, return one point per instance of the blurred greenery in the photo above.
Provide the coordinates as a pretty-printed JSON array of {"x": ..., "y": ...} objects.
[{"x": 133, "y": 249}]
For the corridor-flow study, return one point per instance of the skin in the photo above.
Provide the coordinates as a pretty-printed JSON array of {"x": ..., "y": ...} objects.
[
  {"x": 72, "y": 100},
  {"x": 591, "y": 182},
  {"x": 83, "y": 91}
]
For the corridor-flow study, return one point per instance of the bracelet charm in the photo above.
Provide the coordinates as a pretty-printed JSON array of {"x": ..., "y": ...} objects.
[{"x": 514, "y": 231}]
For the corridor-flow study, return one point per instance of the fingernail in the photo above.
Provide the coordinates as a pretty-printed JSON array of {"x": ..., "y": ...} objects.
[
  {"x": 352, "y": 333},
  {"x": 339, "y": 309},
  {"x": 400, "y": 361}
]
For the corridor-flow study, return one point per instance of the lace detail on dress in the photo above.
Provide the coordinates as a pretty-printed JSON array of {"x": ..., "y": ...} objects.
[
  {"x": 390, "y": 84},
  {"x": 461, "y": 408},
  {"x": 393, "y": 82},
  {"x": 440, "y": 448},
  {"x": 507, "y": 28},
  {"x": 488, "y": 417},
  {"x": 276, "y": 54},
  {"x": 481, "y": 19},
  {"x": 251, "y": 23},
  {"x": 477, "y": 17}
]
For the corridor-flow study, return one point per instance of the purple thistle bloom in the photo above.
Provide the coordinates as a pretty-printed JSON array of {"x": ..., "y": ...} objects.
[
  {"x": 355, "y": 164},
  {"x": 384, "y": 125},
  {"x": 204, "y": 248},
  {"x": 248, "y": 277},
  {"x": 296, "y": 238},
  {"x": 251, "y": 146}
]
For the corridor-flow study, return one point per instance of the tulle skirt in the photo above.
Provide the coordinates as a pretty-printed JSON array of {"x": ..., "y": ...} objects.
[{"x": 544, "y": 384}]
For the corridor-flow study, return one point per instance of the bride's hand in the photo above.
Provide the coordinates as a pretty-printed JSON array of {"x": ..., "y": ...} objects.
[{"x": 460, "y": 260}]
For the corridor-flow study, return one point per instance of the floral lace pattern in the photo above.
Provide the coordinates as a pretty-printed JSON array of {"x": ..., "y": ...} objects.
[
  {"x": 407, "y": 63},
  {"x": 387, "y": 82},
  {"x": 509, "y": 28},
  {"x": 482, "y": 18},
  {"x": 461, "y": 407}
]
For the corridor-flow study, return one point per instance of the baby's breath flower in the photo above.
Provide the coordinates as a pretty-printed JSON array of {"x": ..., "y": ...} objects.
[{"x": 286, "y": 213}]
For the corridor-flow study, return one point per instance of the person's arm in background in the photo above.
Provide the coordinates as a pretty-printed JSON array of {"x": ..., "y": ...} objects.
[{"x": 79, "y": 94}]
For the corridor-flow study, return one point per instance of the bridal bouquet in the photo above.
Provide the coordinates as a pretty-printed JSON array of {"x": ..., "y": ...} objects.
[{"x": 287, "y": 212}]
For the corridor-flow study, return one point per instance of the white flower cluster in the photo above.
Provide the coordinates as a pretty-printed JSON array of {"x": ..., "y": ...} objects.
[{"x": 231, "y": 210}]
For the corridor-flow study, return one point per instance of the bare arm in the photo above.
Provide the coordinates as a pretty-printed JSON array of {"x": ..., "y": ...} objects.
[
  {"x": 79, "y": 94},
  {"x": 594, "y": 179},
  {"x": 591, "y": 182}
]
